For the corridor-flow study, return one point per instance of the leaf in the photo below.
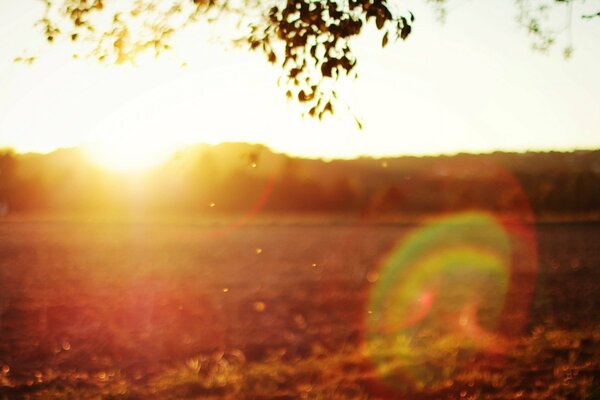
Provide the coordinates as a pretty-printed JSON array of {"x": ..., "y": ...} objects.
[
  {"x": 328, "y": 108},
  {"x": 384, "y": 41},
  {"x": 406, "y": 29},
  {"x": 326, "y": 68},
  {"x": 358, "y": 123},
  {"x": 379, "y": 21}
]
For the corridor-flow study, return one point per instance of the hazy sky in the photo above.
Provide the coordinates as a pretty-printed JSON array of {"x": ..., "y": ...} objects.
[{"x": 472, "y": 84}]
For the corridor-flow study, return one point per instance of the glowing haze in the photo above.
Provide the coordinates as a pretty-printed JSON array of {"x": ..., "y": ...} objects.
[{"x": 471, "y": 84}]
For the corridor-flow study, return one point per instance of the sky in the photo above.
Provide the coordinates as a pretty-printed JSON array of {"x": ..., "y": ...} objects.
[{"x": 470, "y": 84}]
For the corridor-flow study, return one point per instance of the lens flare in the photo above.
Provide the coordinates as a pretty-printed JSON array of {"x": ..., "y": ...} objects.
[{"x": 440, "y": 298}]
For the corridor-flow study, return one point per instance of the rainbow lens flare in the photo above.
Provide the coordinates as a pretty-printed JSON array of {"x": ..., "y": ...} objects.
[{"x": 440, "y": 298}]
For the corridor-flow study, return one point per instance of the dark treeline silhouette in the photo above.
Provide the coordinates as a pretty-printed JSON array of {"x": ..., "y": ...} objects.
[{"x": 238, "y": 178}]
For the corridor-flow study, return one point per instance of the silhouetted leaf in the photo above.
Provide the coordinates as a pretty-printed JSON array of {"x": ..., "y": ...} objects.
[
  {"x": 406, "y": 29},
  {"x": 309, "y": 40},
  {"x": 379, "y": 21},
  {"x": 358, "y": 123}
]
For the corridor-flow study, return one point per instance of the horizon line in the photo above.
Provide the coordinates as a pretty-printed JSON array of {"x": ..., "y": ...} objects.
[{"x": 183, "y": 147}]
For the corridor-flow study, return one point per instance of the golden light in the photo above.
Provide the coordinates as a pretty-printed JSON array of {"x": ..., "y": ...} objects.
[
  {"x": 129, "y": 154},
  {"x": 484, "y": 100}
]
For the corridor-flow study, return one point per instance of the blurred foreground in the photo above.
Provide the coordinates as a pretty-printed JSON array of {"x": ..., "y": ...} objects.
[{"x": 283, "y": 311}]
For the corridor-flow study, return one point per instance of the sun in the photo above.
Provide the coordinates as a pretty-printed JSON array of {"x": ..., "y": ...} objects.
[{"x": 127, "y": 154}]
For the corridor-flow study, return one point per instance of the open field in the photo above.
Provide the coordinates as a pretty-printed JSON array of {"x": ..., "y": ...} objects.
[{"x": 166, "y": 310}]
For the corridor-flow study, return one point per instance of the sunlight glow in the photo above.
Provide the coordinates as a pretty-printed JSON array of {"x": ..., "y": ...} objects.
[
  {"x": 492, "y": 94},
  {"x": 128, "y": 154}
]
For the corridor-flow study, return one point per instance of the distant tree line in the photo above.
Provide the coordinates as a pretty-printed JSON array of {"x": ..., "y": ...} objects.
[{"x": 239, "y": 178}]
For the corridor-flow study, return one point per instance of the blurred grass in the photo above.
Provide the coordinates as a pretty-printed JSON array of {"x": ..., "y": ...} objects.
[
  {"x": 114, "y": 310},
  {"x": 525, "y": 372}
]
